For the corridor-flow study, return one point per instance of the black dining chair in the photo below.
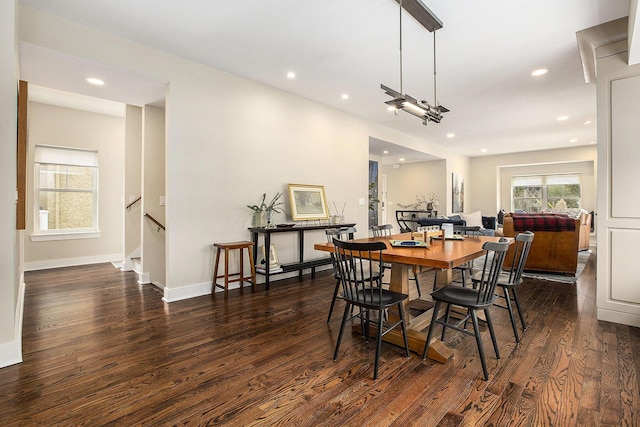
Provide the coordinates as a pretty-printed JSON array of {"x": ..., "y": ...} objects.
[
  {"x": 510, "y": 280},
  {"x": 385, "y": 231},
  {"x": 481, "y": 297},
  {"x": 466, "y": 269},
  {"x": 341, "y": 233},
  {"x": 358, "y": 263}
]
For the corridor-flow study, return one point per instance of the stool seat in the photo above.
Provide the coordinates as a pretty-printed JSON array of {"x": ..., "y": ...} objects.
[{"x": 233, "y": 277}]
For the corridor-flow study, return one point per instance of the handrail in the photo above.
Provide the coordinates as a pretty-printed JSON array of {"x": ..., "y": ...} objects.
[
  {"x": 155, "y": 221},
  {"x": 134, "y": 202}
]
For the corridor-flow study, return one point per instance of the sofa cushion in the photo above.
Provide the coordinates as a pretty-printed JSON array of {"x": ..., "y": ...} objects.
[
  {"x": 473, "y": 219},
  {"x": 543, "y": 222}
]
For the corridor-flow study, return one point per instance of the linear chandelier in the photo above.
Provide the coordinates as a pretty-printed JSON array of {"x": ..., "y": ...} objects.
[{"x": 402, "y": 101}]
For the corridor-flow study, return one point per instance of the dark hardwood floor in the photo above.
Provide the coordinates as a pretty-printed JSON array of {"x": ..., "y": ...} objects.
[{"x": 99, "y": 349}]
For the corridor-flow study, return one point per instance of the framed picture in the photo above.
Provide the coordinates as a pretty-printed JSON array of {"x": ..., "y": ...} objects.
[
  {"x": 457, "y": 193},
  {"x": 308, "y": 202}
]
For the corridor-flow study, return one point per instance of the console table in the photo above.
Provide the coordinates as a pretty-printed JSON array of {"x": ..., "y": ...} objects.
[
  {"x": 300, "y": 264},
  {"x": 407, "y": 216}
]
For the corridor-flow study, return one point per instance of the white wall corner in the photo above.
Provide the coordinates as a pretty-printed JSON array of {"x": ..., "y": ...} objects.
[
  {"x": 144, "y": 278},
  {"x": 185, "y": 292},
  {"x": 11, "y": 352}
]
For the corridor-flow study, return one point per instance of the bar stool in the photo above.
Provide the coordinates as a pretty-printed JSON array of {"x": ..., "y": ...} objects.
[{"x": 231, "y": 277}]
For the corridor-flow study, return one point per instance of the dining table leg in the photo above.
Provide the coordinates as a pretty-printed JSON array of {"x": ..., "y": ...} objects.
[{"x": 416, "y": 326}]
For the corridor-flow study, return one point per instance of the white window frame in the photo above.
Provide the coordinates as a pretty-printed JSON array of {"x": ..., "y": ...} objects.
[
  {"x": 64, "y": 156},
  {"x": 544, "y": 180}
]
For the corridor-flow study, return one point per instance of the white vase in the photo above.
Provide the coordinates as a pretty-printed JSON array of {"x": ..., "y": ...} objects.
[{"x": 258, "y": 220}]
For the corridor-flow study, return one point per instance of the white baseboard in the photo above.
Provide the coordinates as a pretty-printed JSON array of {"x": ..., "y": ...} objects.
[
  {"x": 69, "y": 262},
  {"x": 195, "y": 290},
  {"x": 185, "y": 292},
  {"x": 11, "y": 352},
  {"x": 618, "y": 317},
  {"x": 144, "y": 278}
]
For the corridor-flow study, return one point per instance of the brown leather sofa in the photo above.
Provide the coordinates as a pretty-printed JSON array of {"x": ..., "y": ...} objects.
[{"x": 551, "y": 251}]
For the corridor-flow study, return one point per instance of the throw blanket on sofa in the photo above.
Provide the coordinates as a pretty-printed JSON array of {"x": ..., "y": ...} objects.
[{"x": 543, "y": 222}]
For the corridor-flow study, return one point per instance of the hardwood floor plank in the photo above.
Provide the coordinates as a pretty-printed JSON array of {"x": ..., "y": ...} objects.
[
  {"x": 100, "y": 349},
  {"x": 629, "y": 391}
]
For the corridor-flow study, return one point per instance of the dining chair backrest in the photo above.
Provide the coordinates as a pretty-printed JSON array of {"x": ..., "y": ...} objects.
[
  {"x": 492, "y": 266},
  {"x": 341, "y": 233},
  {"x": 522, "y": 246},
  {"x": 381, "y": 230},
  {"x": 358, "y": 263}
]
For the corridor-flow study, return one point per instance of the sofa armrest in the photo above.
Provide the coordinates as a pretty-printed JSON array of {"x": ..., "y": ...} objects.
[{"x": 489, "y": 222}]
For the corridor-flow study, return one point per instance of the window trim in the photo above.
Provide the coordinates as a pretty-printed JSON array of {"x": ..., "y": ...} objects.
[
  {"x": 65, "y": 156},
  {"x": 544, "y": 184}
]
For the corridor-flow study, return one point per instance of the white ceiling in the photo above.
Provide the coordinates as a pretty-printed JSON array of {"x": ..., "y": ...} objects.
[{"x": 485, "y": 54}]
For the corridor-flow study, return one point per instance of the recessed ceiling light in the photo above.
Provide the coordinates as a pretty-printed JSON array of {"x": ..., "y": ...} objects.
[
  {"x": 345, "y": 96},
  {"x": 401, "y": 159},
  {"x": 385, "y": 152},
  {"x": 483, "y": 150},
  {"x": 573, "y": 140},
  {"x": 562, "y": 118},
  {"x": 291, "y": 75},
  {"x": 95, "y": 81},
  {"x": 587, "y": 122},
  {"x": 451, "y": 135},
  {"x": 539, "y": 72}
]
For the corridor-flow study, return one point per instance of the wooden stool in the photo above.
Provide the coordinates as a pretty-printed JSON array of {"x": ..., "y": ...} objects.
[{"x": 226, "y": 247}]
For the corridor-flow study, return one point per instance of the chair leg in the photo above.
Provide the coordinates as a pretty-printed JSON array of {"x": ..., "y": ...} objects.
[
  {"x": 366, "y": 323},
  {"x": 342, "y": 325},
  {"x": 492, "y": 332},
  {"x": 517, "y": 301},
  {"x": 476, "y": 331},
  {"x": 404, "y": 329},
  {"x": 333, "y": 300},
  {"x": 415, "y": 277},
  {"x": 446, "y": 320},
  {"x": 431, "y": 327},
  {"x": 510, "y": 309},
  {"x": 378, "y": 345}
]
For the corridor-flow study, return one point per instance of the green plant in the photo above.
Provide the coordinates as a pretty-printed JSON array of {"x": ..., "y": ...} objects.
[
  {"x": 260, "y": 207},
  {"x": 273, "y": 206}
]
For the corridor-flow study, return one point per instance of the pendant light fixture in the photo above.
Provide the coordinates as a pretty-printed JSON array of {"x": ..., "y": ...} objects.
[{"x": 402, "y": 101}]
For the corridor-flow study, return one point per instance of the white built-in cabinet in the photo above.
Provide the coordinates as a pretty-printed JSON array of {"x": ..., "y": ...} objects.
[{"x": 618, "y": 225}]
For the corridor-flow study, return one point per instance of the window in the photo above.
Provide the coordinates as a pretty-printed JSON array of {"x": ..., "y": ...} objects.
[
  {"x": 66, "y": 190},
  {"x": 536, "y": 193}
]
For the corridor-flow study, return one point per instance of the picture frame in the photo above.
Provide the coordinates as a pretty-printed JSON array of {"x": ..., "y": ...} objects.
[
  {"x": 457, "y": 193},
  {"x": 308, "y": 202}
]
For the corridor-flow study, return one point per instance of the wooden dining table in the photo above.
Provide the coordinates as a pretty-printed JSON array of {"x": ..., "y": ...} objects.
[{"x": 443, "y": 254}]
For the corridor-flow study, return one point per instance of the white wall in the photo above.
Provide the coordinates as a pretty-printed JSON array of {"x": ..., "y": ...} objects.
[
  {"x": 52, "y": 125},
  {"x": 10, "y": 279},
  {"x": 489, "y": 173},
  {"x": 410, "y": 180},
  {"x": 133, "y": 180},
  {"x": 153, "y": 188},
  {"x": 222, "y": 155}
]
